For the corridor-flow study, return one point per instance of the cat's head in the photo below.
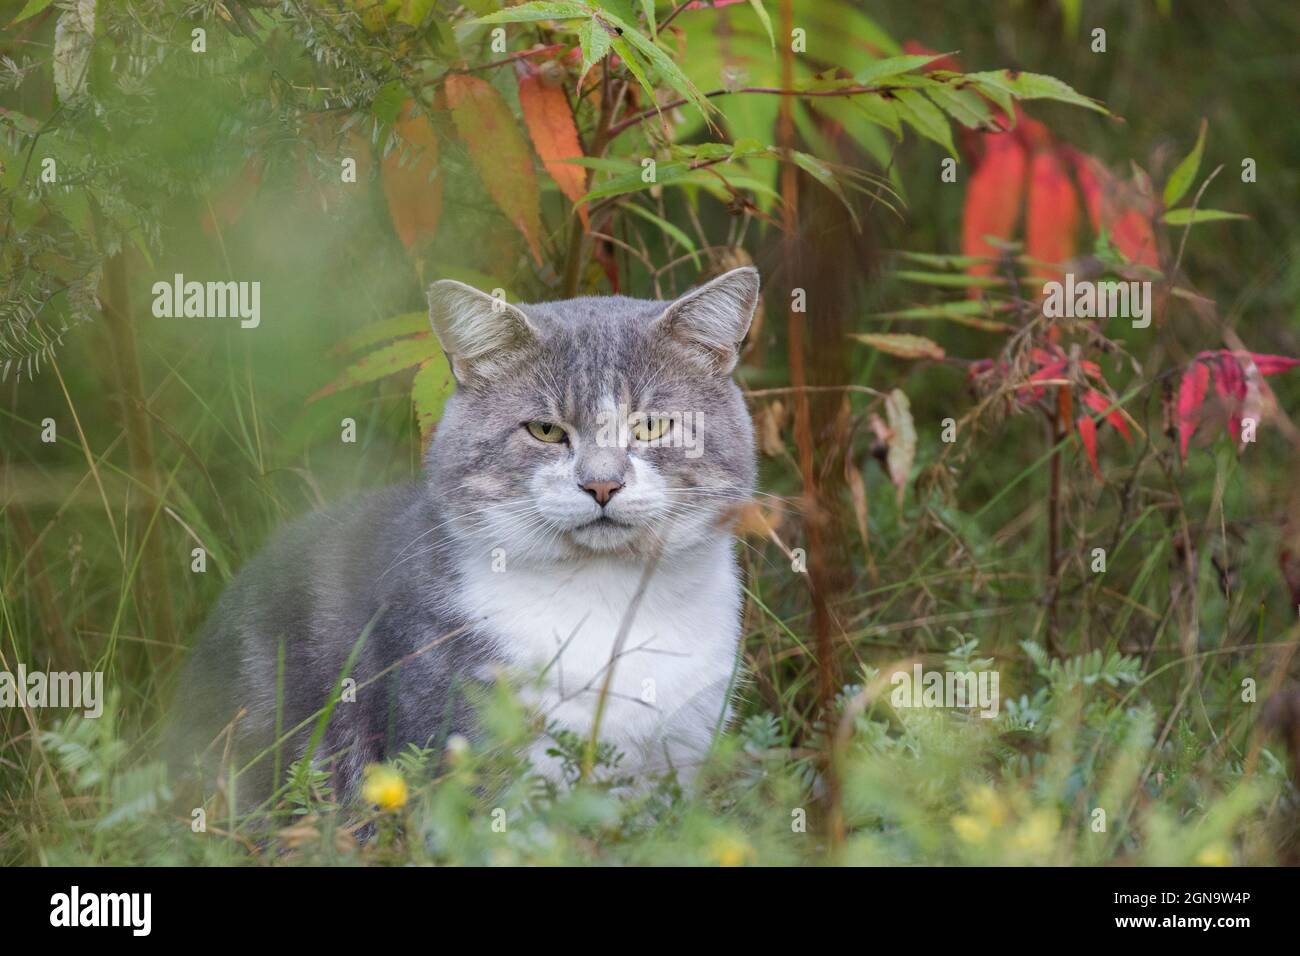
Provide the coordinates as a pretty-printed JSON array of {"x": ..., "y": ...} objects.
[{"x": 592, "y": 426}]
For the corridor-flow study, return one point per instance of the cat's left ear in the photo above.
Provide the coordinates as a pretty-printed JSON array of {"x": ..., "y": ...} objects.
[{"x": 711, "y": 321}]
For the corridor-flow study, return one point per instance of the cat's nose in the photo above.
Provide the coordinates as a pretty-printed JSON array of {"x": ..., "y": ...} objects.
[{"x": 602, "y": 491}]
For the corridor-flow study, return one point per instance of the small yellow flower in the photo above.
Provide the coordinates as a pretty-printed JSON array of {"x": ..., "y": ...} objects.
[
  {"x": 731, "y": 851},
  {"x": 1216, "y": 854},
  {"x": 971, "y": 829},
  {"x": 1037, "y": 831},
  {"x": 384, "y": 787},
  {"x": 986, "y": 802}
]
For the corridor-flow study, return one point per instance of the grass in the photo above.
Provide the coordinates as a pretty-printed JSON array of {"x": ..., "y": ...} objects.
[
  {"x": 1131, "y": 730},
  {"x": 1134, "y": 718}
]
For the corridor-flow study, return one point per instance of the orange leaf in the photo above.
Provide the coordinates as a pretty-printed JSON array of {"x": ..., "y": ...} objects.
[
  {"x": 992, "y": 203},
  {"x": 1052, "y": 214},
  {"x": 1064, "y": 404},
  {"x": 550, "y": 124},
  {"x": 499, "y": 152},
  {"x": 902, "y": 345},
  {"x": 1099, "y": 403},
  {"x": 413, "y": 190}
]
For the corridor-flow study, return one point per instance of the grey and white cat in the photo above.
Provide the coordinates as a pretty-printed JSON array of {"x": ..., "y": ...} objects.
[{"x": 575, "y": 500}]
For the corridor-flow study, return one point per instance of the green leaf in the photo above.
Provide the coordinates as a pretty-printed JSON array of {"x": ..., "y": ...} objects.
[
  {"x": 604, "y": 164},
  {"x": 632, "y": 182},
  {"x": 594, "y": 40},
  {"x": 663, "y": 64},
  {"x": 926, "y": 118},
  {"x": 825, "y": 175},
  {"x": 880, "y": 111},
  {"x": 1184, "y": 174},
  {"x": 648, "y": 10},
  {"x": 971, "y": 313},
  {"x": 678, "y": 236},
  {"x": 965, "y": 106},
  {"x": 537, "y": 10},
  {"x": 413, "y": 12},
  {"x": 387, "y": 103},
  {"x": 408, "y": 323},
  {"x": 895, "y": 65},
  {"x": 402, "y": 354},
  {"x": 864, "y": 132},
  {"x": 634, "y": 65},
  {"x": 1183, "y": 217},
  {"x": 1033, "y": 86},
  {"x": 764, "y": 19},
  {"x": 33, "y": 7},
  {"x": 432, "y": 386},
  {"x": 951, "y": 280},
  {"x": 843, "y": 29},
  {"x": 936, "y": 260}
]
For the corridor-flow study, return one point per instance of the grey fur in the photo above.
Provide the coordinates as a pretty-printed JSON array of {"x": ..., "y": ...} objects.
[{"x": 391, "y": 560}]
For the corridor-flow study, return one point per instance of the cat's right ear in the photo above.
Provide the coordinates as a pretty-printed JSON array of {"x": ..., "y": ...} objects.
[{"x": 480, "y": 333}]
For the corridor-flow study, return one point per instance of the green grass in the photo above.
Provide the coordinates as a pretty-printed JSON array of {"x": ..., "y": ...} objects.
[
  {"x": 1131, "y": 718},
  {"x": 1140, "y": 709}
]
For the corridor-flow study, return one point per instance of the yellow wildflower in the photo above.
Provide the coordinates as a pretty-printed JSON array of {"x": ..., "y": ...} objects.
[{"x": 384, "y": 787}]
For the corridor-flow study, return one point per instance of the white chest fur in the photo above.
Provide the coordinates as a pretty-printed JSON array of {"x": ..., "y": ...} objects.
[{"x": 665, "y": 690}]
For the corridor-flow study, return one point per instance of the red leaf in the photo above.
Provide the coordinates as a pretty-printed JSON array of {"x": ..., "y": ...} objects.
[
  {"x": 1052, "y": 213},
  {"x": 1088, "y": 435},
  {"x": 500, "y": 153},
  {"x": 1191, "y": 395},
  {"x": 1090, "y": 174},
  {"x": 1099, "y": 403},
  {"x": 550, "y": 124},
  {"x": 1115, "y": 207},
  {"x": 1052, "y": 371},
  {"x": 1133, "y": 236},
  {"x": 1033, "y": 134},
  {"x": 1273, "y": 364},
  {"x": 992, "y": 203},
  {"x": 413, "y": 190},
  {"x": 1230, "y": 385}
]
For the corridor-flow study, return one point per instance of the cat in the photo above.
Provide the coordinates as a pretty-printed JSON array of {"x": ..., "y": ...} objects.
[{"x": 571, "y": 533}]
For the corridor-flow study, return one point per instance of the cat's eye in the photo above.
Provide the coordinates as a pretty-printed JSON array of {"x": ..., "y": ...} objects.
[
  {"x": 648, "y": 429},
  {"x": 548, "y": 432}
]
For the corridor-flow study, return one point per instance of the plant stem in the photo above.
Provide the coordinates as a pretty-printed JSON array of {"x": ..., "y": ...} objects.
[
  {"x": 1053, "y": 530},
  {"x": 153, "y": 595}
]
